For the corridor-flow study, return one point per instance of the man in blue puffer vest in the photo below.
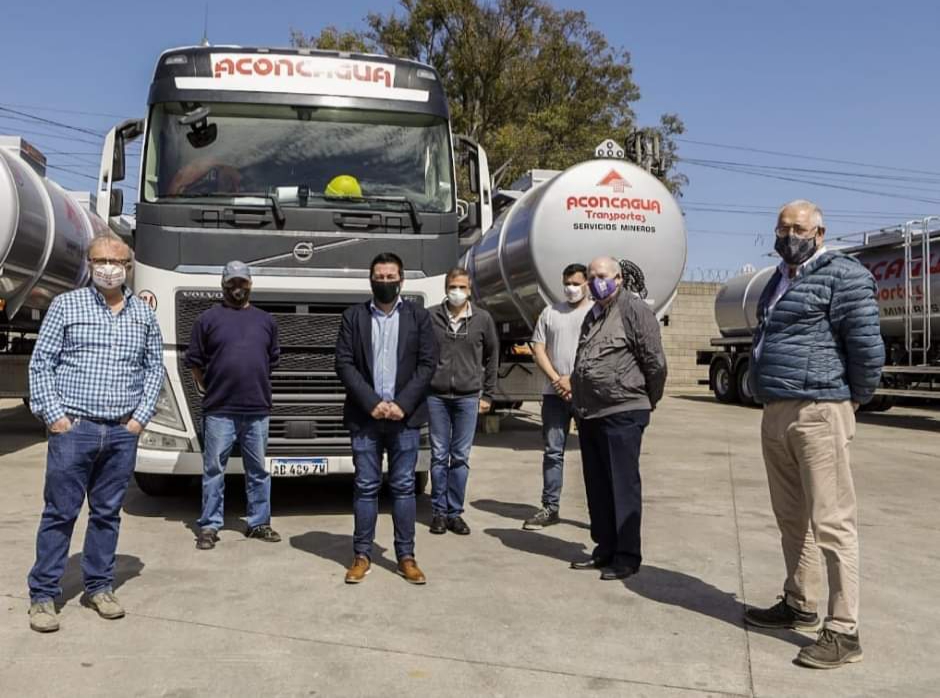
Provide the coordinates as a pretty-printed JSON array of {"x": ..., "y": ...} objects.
[{"x": 817, "y": 356}]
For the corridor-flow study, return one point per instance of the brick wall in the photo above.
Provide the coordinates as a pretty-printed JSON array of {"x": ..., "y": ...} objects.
[{"x": 691, "y": 326}]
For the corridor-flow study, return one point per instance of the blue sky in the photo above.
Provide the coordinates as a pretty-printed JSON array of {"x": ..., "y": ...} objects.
[{"x": 851, "y": 81}]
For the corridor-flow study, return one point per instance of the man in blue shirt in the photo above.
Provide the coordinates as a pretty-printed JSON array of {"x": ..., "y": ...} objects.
[
  {"x": 94, "y": 377},
  {"x": 232, "y": 352},
  {"x": 385, "y": 356}
]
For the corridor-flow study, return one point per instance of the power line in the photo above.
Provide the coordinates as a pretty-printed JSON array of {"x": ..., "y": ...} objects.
[
  {"x": 805, "y": 157},
  {"x": 821, "y": 184},
  {"x": 809, "y": 170},
  {"x": 60, "y": 136},
  {"x": 52, "y": 122},
  {"x": 64, "y": 111},
  {"x": 72, "y": 172}
]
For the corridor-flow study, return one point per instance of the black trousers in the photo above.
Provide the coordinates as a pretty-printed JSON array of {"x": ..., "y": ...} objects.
[{"x": 610, "y": 458}]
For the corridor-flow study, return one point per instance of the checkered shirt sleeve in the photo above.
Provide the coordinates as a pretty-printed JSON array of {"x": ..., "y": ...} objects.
[{"x": 92, "y": 363}]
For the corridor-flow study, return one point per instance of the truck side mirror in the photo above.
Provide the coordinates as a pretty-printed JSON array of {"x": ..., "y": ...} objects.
[
  {"x": 118, "y": 160},
  {"x": 473, "y": 168},
  {"x": 116, "y": 207}
]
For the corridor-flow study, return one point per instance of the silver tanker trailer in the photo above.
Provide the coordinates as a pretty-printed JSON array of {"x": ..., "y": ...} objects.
[
  {"x": 906, "y": 267},
  {"x": 44, "y": 235},
  {"x": 552, "y": 218}
]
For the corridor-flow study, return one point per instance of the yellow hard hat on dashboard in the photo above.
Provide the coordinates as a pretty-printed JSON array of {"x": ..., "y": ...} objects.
[{"x": 343, "y": 186}]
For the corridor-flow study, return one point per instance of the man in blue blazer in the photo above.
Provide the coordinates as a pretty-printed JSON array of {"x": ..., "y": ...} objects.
[{"x": 386, "y": 354}]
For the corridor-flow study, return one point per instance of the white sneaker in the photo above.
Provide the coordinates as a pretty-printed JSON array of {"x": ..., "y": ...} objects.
[
  {"x": 42, "y": 617},
  {"x": 106, "y": 604}
]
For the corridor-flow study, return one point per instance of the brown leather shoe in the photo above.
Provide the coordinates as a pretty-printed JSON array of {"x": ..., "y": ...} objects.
[
  {"x": 359, "y": 569},
  {"x": 409, "y": 569}
]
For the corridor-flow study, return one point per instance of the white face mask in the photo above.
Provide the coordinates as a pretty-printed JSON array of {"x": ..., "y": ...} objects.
[
  {"x": 574, "y": 293},
  {"x": 456, "y": 297},
  {"x": 108, "y": 276}
]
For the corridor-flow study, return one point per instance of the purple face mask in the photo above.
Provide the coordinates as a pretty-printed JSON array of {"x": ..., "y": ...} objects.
[{"x": 602, "y": 288}]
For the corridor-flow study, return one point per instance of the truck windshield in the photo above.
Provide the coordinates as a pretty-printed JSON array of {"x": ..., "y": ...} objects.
[{"x": 224, "y": 149}]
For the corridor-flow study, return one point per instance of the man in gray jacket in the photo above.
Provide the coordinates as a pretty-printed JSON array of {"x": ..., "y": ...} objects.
[
  {"x": 619, "y": 376},
  {"x": 817, "y": 356}
]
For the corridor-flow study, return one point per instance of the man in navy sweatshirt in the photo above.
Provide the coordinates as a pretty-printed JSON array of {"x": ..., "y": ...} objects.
[{"x": 232, "y": 352}]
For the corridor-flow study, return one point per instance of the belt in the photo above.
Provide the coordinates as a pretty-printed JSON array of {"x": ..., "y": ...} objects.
[{"x": 97, "y": 420}]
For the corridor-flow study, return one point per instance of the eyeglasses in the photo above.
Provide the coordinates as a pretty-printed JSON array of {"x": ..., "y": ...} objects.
[
  {"x": 784, "y": 230},
  {"x": 108, "y": 260}
]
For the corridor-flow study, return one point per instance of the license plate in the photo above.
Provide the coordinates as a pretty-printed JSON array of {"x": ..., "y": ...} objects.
[{"x": 298, "y": 467}]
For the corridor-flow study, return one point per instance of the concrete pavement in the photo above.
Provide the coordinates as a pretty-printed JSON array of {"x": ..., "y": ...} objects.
[{"x": 502, "y": 615}]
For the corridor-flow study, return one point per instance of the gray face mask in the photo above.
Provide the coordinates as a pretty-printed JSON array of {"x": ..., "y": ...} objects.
[{"x": 795, "y": 250}]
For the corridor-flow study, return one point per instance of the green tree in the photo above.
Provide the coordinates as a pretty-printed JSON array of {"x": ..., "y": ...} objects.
[{"x": 536, "y": 86}]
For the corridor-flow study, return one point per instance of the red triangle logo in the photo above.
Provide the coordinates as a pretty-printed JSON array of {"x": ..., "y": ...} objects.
[{"x": 613, "y": 179}]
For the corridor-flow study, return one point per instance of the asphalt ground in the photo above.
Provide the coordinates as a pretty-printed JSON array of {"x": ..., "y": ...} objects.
[{"x": 501, "y": 615}]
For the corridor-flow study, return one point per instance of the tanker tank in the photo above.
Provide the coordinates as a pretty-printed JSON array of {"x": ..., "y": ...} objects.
[
  {"x": 595, "y": 208},
  {"x": 44, "y": 232},
  {"x": 736, "y": 302}
]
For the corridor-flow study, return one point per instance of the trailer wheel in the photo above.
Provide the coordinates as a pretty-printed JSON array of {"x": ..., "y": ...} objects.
[
  {"x": 744, "y": 390},
  {"x": 723, "y": 381},
  {"x": 158, "y": 485}
]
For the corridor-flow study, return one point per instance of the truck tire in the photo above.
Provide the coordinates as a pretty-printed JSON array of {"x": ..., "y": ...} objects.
[
  {"x": 723, "y": 381},
  {"x": 744, "y": 390},
  {"x": 421, "y": 482},
  {"x": 158, "y": 485}
]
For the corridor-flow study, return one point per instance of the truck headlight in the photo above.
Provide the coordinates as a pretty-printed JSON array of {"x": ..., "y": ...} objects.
[
  {"x": 168, "y": 412},
  {"x": 162, "y": 442}
]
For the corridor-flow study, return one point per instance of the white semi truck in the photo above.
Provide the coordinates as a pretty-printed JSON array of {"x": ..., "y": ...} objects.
[{"x": 239, "y": 145}]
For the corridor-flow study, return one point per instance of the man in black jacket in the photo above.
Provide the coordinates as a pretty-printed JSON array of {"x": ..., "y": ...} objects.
[
  {"x": 463, "y": 386},
  {"x": 385, "y": 357},
  {"x": 619, "y": 376}
]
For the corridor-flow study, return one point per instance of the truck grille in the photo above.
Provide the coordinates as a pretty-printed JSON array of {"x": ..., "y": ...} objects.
[{"x": 307, "y": 395}]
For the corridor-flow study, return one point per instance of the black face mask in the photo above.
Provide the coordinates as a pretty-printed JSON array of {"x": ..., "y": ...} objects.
[
  {"x": 237, "y": 297},
  {"x": 385, "y": 291},
  {"x": 795, "y": 250}
]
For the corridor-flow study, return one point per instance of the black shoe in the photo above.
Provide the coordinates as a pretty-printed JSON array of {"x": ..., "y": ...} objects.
[
  {"x": 438, "y": 524},
  {"x": 594, "y": 563},
  {"x": 617, "y": 572},
  {"x": 831, "y": 650},
  {"x": 263, "y": 532},
  {"x": 458, "y": 526},
  {"x": 782, "y": 615},
  {"x": 206, "y": 539},
  {"x": 542, "y": 518}
]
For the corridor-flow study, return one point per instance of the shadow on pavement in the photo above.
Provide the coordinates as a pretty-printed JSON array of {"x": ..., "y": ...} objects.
[
  {"x": 517, "y": 511},
  {"x": 919, "y": 422},
  {"x": 338, "y": 548},
  {"x": 19, "y": 429},
  {"x": 126, "y": 567},
  {"x": 289, "y": 497},
  {"x": 654, "y": 583}
]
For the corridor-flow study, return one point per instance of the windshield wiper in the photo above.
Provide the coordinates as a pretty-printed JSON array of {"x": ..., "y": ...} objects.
[
  {"x": 408, "y": 203},
  {"x": 276, "y": 209}
]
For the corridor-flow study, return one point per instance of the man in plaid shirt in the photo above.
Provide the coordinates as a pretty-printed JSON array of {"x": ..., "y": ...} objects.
[{"x": 95, "y": 375}]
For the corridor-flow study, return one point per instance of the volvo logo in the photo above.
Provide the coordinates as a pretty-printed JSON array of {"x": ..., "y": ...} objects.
[{"x": 303, "y": 251}]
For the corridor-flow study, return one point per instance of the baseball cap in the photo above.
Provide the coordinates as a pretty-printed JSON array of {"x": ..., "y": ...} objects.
[{"x": 236, "y": 270}]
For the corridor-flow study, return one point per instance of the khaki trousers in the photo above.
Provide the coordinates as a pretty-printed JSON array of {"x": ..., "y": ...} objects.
[{"x": 806, "y": 451}]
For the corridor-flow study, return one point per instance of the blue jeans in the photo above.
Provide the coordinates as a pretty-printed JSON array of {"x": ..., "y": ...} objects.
[
  {"x": 400, "y": 442},
  {"x": 453, "y": 421},
  {"x": 556, "y": 424},
  {"x": 220, "y": 431},
  {"x": 94, "y": 459}
]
